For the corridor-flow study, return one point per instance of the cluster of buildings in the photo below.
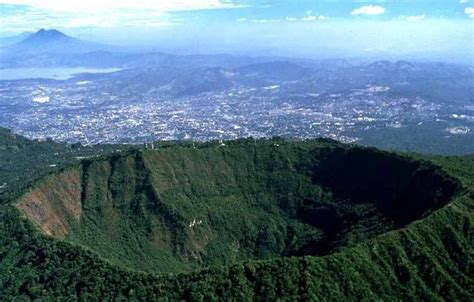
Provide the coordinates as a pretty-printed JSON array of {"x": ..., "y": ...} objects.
[{"x": 94, "y": 112}]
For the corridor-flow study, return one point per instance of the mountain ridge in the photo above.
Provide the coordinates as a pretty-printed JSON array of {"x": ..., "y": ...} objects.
[
  {"x": 426, "y": 259},
  {"x": 8, "y": 40},
  {"x": 179, "y": 200}
]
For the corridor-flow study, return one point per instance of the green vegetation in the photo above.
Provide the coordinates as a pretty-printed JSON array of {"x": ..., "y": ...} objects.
[
  {"x": 23, "y": 160},
  {"x": 264, "y": 220},
  {"x": 423, "y": 138}
]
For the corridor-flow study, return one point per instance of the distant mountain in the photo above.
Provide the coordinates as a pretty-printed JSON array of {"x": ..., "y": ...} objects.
[
  {"x": 186, "y": 75},
  {"x": 52, "y": 41},
  {"x": 43, "y": 37},
  {"x": 276, "y": 70},
  {"x": 48, "y": 48}
]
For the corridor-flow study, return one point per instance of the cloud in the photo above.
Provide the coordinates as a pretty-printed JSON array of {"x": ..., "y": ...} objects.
[
  {"x": 265, "y": 20},
  {"x": 371, "y": 1},
  {"x": 26, "y": 18},
  {"x": 29, "y": 15},
  {"x": 309, "y": 18},
  {"x": 287, "y": 19},
  {"x": 415, "y": 18},
  {"x": 463, "y": 1},
  {"x": 369, "y": 10},
  {"x": 469, "y": 11},
  {"x": 262, "y": 21},
  {"x": 165, "y": 6}
]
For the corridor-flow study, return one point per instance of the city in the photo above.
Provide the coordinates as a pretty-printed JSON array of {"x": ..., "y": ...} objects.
[{"x": 93, "y": 112}]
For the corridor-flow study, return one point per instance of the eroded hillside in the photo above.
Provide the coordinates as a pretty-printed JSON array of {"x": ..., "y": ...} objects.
[{"x": 55, "y": 204}]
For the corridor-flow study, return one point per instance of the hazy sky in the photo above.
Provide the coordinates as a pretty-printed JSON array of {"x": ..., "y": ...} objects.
[{"x": 436, "y": 28}]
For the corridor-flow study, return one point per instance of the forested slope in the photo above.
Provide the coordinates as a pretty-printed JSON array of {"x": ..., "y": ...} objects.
[{"x": 249, "y": 220}]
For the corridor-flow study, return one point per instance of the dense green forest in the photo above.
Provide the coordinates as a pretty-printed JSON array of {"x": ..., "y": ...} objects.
[
  {"x": 260, "y": 220},
  {"x": 23, "y": 160}
]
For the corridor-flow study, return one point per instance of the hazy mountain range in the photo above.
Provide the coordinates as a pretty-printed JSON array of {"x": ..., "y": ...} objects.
[
  {"x": 191, "y": 74},
  {"x": 9, "y": 40}
]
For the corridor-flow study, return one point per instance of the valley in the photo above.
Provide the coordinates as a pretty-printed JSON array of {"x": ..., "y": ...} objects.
[
  {"x": 319, "y": 156},
  {"x": 58, "y": 87},
  {"x": 138, "y": 106}
]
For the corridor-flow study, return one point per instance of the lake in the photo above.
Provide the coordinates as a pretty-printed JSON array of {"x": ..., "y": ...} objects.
[{"x": 57, "y": 73}]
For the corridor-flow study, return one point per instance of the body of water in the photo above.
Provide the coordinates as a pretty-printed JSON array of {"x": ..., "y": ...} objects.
[{"x": 57, "y": 73}]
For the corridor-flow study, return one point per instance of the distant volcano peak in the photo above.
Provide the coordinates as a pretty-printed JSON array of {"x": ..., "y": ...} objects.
[
  {"x": 47, "y": 35},
  {"x": 52, "y": 41}
]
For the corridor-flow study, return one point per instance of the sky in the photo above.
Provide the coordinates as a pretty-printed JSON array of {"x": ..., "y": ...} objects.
[{"x": 306, "y": 28}]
